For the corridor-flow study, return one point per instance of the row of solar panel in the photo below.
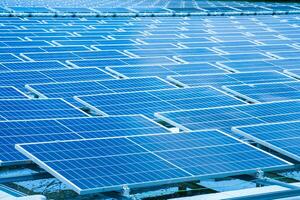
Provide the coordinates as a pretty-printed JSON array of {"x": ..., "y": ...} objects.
[
  {"x": 161, "y": 95},
  {"x": 251, "y": 8}
]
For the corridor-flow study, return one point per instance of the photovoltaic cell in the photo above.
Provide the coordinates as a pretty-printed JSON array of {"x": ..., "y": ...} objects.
[
  {"x": 149, "y": 102},
  {"x": 70, "y": 89},
  {"x": 281, "y": 137},
  {"x": 223, "y": 118},
  {"x": 15, "y": 132},
  {"x": 99, "y": 165},
  {"x": 218, "y": 80}
]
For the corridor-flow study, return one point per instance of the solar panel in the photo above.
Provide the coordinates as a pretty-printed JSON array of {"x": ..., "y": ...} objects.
[
  {"x": 27, "y": 43},
  {"x": 11, "y": 93},
  {"x": 72, "y": 10},
  {"x": 70, "y": 89},
  {"x": 20, "y": 78},
  {"x": 99, "y": 165},
  {"x": 68, "y": 129},
  {"x": 29, "y": 9},
  {"x": 151, "y": 10},
  {"x": 25, "y": 109},
  {"x": 225, "y": 57},
  {"x": 73, "y": 55},
  {"x": 280, "y": 137},
  {"x": 171, "y": 52},
  {"x": 218, "y": 80},
  {"x": 256, "y": 48},
  {"x": 257, "y": 65},
  {"x": 223, "y": 118},
  {"x": 113, "y": 10},
  {"x": 32, "y": 66},
  {"x": 8, "y": 57},
  {"x": 164, "y": 70},
  {"x": 149, "y": 102},
  {"x": 266, "y": 92},
  {"x": 102, "y": 63}
]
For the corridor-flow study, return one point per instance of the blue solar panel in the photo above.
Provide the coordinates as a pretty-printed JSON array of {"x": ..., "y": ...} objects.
[
  {"x": 29, "y": 9},
  {"x": 19, "y": 79},
  {"x": 242, "y": 66},
  {"x": 27, "y": 43},
  {"x": 37, "y": 109},
  {"x": 68, "y": 129},
  {"x": 70, "y": 89},
  {"x": 218, "y": 80},
  {"x": 149, "y": 61},
  {"x": 224, "y": 118},
  {"x": 17, "y": 50},
  {"x": 8, "y": 57},
  {"x": 72, "y": 10},
  {"x": 225, "y": 57},
  {"x": 65, "y": 48},
  {"x": 256, "y": 48},
  {"x": 172, "y": 52},
  {"x": 113, "y": 10},
  {"x": 149, "y": 102},
  {"x": 266, "y": 92},
  {"x": 11, "y": 93},
  {"x": 73, "y": 55},
  {"x": 31, "y": 66},
  {"x": 151, "y": 10},
  {"x": 165, "y": 70},
  {"x": 281, "y": 137},
  {"x": 98, "y": 165}
]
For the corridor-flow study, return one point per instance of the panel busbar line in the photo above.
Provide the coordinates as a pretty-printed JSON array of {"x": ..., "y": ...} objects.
[
  {"x": 101, "y": 165},
  {"x": 281, "y": 137},
  {"x": 28, "y": 131},
  {"x": 226, "y": 117},
  {"x": 149, "y": 102},
  {"x": 70, "y": 89}
]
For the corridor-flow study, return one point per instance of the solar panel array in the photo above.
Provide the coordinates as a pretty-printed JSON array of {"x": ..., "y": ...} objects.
[
  {"x": 145, "y": 7},
  {"x": 192, "y": 72},
  {"x": 100, "y": 165}
]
